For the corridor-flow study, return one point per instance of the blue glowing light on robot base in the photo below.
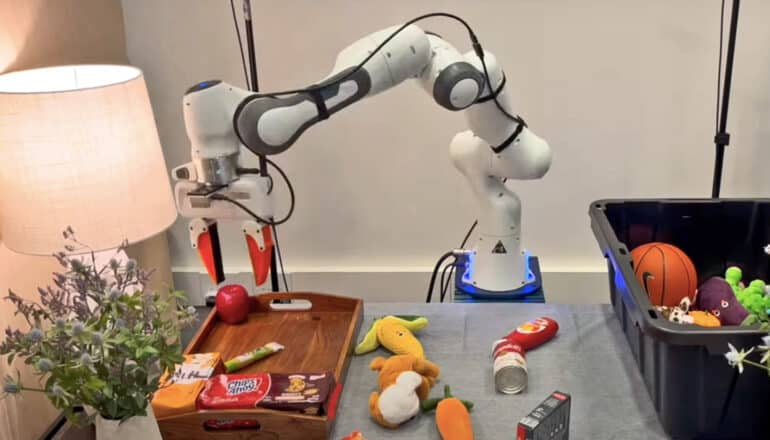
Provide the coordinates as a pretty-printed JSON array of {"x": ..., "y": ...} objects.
[{"x": 465, "y": 284}]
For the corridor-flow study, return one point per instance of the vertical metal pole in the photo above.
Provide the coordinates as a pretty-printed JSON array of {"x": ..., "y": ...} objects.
[
  {"x": 254, "y": 86},
  {"x": 722, "y": 138},
  {"x": 253, "y": 75}
]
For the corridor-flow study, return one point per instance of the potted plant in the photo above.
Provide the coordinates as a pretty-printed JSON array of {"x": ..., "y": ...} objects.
[{"x": 99, "y": 342}]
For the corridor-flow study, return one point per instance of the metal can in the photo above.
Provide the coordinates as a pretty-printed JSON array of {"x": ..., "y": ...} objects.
[{"x": 509, "y": 367}]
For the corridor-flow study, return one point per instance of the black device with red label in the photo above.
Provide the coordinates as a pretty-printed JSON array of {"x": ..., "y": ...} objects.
[{"x": 549, "y": 421}]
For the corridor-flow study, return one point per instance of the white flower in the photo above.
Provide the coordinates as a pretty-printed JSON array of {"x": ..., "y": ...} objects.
[
  {"x": 735, "y": 358},
  {"x": 765, "y": 347}
]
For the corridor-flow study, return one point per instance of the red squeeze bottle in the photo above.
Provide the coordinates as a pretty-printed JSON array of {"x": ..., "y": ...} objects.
[{"x": 534, "y": 333}]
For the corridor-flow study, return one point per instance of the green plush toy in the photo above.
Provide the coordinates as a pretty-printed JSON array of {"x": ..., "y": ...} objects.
[{"x": 753, "y": 297}]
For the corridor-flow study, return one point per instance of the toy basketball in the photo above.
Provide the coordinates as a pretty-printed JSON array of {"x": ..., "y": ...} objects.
[{"x": 665, "y": 272}]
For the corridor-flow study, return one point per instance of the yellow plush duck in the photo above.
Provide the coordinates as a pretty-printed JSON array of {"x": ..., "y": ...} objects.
[{"x": 394, "y": 333}]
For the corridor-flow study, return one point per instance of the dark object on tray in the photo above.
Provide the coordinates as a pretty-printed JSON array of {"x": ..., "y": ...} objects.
[
  {"x": 695, "y": 392},
  {"x": 319, "y": 336}
]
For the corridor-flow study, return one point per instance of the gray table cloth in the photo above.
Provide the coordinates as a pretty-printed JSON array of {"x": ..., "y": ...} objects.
[{"x": 589, "y": 359}]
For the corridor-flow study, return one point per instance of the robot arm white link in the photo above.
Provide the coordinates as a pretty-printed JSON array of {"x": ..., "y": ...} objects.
[{"x": 270, "y": 125}]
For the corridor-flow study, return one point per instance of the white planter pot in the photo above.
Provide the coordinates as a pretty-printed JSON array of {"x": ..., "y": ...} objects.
[{"x": 135, "y": 428}]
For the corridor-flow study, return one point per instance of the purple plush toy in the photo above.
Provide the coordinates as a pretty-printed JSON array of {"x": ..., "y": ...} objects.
[{"x": 716, "y": 296}]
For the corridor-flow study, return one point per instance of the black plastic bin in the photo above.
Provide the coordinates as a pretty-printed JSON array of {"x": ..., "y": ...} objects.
[{"x": 695, "y": 392}]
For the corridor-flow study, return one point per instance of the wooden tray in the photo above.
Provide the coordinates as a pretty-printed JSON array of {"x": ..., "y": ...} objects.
[{"x": 317, "y": 339}]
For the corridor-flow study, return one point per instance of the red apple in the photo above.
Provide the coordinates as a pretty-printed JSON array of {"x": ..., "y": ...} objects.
[{"x": 232, "y": 303}]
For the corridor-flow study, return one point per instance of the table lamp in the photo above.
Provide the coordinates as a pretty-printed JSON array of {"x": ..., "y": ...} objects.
[{"x": 79, "y": 148}]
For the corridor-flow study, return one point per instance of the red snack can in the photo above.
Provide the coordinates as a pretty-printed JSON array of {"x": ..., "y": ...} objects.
[
  {"x": 534, "y": 333},
  {"x": 509, "y": 367}
]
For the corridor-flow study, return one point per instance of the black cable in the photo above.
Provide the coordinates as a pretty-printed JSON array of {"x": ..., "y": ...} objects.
[
  {"x": 257, "y": 171},
  {"x": 445, "y": 285},
  {"x": 719, "y": 67},
  {"x": 240, "y": 43},
  {"x": 453, "y": 266},
  {"x": 224, "y": 198},
  {"x": 280, "y": 257},
  {"x": 271, "y": 222},
  {"x": 468, "y": 234},
  {"x": 433, "y": 276},
  {"x": 499, "y": 106}
]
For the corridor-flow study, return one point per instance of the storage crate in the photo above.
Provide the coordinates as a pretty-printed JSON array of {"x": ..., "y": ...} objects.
[{"x": 695, "y": 392}]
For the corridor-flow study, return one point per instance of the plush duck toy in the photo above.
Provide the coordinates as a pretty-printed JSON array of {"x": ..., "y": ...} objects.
[
  {"x": 404, "y": 381},
  {"x": 395, "y": 334}
]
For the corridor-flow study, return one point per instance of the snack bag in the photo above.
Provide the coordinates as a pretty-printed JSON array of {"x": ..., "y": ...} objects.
[
  {"x": 179, "y": 391},
  {"x": 306, "y": 393}
]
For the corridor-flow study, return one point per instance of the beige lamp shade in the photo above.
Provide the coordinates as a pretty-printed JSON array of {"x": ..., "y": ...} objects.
[{"x": 79, "y": 147}]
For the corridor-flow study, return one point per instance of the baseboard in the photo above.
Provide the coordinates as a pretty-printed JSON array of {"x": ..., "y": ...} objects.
[{"x": 388, "y": 284}]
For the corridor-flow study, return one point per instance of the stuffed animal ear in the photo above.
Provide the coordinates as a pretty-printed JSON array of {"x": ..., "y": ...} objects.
[
  {"x": 426, "y": 368},
  {"x": 377, "y": 363}
]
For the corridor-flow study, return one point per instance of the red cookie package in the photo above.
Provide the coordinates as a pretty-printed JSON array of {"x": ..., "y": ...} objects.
[{"x": 306, "y": 393}]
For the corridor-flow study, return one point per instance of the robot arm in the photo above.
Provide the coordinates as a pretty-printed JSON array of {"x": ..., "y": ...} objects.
[{"x": 220, "y": 117}]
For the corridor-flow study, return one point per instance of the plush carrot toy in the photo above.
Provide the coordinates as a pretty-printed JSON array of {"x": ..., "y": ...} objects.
[{"x": 452, "y": 417}]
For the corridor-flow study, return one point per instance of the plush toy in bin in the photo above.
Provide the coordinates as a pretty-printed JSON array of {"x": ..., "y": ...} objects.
[
  {"x": 716, "y": 296},
  {"x": 682, "y": 314},
  {"x": 404, "y": 381},
  {"x": 753, "y": 297},
  {"x": 665, "y": 272}
]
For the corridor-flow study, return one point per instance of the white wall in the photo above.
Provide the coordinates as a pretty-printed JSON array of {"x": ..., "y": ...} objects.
[{"x": 623, "y": 90}]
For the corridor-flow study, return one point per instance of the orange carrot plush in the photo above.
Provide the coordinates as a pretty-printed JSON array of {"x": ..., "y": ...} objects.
[{"x": 452, "y": 417}]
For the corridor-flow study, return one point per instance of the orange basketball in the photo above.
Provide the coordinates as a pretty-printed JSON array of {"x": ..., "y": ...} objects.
[{"x": 665, "y": 272}]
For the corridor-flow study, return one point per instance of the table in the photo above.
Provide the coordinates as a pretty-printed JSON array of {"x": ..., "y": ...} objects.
[{"x": 589, "y": 358}]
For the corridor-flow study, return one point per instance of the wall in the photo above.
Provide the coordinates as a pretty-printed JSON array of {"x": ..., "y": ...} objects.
[
  {"x": 36, "y": 33},
  {"x": 623, "y": 90}
]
